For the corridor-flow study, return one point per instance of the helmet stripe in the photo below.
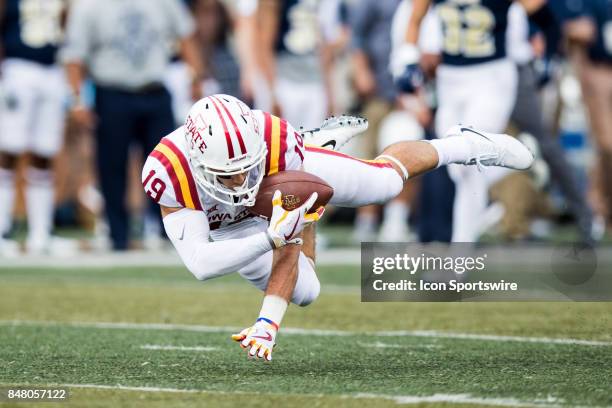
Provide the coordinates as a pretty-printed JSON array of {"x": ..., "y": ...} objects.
[
  {"x": 236, "y": 130},
  {"x": 228, "y": 139}
]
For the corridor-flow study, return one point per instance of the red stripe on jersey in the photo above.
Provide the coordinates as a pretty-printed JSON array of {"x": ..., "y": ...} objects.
[
  {"x": 374, "y": 163},
  {"x": 268, "y": 138},
  {"x": 236, "y": 130},
  {"x": 193, "y": 190},
  {"x": 172, "y": 174},
  {"x": 283, "y": 145},
  {"x": 228, "y": 139}
]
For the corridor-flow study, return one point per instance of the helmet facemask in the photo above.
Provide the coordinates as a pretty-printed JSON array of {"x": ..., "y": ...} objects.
[{"x": 244, "y": 195}]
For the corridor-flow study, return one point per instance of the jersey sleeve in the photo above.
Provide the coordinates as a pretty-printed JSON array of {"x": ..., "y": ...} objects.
[
  {"x": 167, "y": 178},
  {"x": 284, "y": 143}
]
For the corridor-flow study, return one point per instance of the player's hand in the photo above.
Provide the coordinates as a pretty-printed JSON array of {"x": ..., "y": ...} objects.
[
  {"x": 258, "y": 339},
  {"x": 405, "y": 69},
  {"x": 285, "y": 226},
  {"x": 83, "y": 117}
]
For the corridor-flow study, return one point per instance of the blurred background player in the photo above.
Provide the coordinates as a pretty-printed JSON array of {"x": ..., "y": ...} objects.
[
  {"x": 214, "y": 27},
  {"x": 527, "y": 49},
  {"x": 31, "y": 114},
  {"x": 370, "y": 47},
  {"x": 292, "y": 61},
  {"x": 125, "y": 47},
  {"x": 590, "y": 32},
  {"x": 476, "y": 84}
]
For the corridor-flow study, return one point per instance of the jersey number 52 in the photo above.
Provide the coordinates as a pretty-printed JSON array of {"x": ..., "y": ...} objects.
[{"x": 468, "y": 31}]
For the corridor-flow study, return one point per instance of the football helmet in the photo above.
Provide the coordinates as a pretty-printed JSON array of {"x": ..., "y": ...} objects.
[{"x": 223, "y": 140}]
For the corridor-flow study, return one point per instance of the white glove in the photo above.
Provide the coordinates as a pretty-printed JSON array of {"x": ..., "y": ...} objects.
[
  {"x": 401, "y": 57},
  {"x": 285, "y": 225},
  {"x": 258, "y": 339}
]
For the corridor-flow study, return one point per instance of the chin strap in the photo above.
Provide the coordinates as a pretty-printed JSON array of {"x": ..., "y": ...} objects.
[{"x": 397, "y": 163}]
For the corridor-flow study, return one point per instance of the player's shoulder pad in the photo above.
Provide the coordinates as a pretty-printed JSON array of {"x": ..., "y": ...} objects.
[
  {"x": 167, "y": 177},
  {"x": 284, "y": 143}
]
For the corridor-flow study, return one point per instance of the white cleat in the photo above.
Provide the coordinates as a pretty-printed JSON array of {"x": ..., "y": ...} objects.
[
  {"x": 52, "y": 245},
  {"x": 9, "y": 248},
  {"x": 490, "y": 149},
  {"x": 335, "y": 132}
]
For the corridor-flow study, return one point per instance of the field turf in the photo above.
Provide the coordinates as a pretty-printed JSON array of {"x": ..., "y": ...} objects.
[{"x": 156, "y": 337}]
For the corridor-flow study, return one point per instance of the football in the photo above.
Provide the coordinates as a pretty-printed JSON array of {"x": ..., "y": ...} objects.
[{"x": 296, "y": 187}]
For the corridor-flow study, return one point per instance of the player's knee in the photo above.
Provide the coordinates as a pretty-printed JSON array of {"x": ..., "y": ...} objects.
[
  {"x": 389, "y": 187},
  {"x": 308, "y": 295}
]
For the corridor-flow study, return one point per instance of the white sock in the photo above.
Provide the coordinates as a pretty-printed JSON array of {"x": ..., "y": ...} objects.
[
  {"x": 366, "y": 221},
  {"x": 39, "y": 203},
  {"x": 273, "y": 308},
  {"x": 452, "y": 149},
  {"x": 396, "y": 211},
  {"x": 7, "y": 199}
]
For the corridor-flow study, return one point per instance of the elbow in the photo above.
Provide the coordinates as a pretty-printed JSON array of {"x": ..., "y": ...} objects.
[{"x": 201, "y": 272}]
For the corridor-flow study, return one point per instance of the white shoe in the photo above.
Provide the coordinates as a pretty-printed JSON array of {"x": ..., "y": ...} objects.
[
  {"x": 335, "y": 132},
  {"x": 9, "y": 248},
  {"x": 490, "y": 149},
  {"x": 52, "y": 245}
]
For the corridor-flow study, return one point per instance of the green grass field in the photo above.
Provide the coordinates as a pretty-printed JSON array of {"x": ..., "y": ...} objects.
[{"x": 157, "y": 337}]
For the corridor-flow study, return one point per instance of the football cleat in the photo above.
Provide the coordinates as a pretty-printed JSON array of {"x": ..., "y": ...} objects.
[
  {"x": 490, "y": 149},
  {"x": 9, "y": 248},
  {"x": 335, "y": 131}
]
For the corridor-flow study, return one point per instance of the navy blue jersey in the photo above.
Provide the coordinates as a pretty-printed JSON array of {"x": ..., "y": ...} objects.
[
  {"x": 298, "y": 27},
  {"x": 601, "y": 13},
  {"x": 474, "y": 30},
  {"x": 32, "y": 29}
]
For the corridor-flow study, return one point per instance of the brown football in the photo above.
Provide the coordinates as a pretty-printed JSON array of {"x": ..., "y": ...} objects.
[{"x": 296, "y": 187}]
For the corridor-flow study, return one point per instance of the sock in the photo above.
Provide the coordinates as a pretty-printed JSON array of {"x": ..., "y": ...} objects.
[
  {"x": 366, "y": 221},
  {"x": 273, "y": 308},
  {"x": 452, "y": 149},
  {"x": 39, "y": 203},
  {"x": 7, "y": 199}
]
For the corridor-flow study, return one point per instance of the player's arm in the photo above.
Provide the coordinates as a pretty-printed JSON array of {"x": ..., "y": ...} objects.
[
  {"x": 245, "y": 33},
  {"x": 188, "y": 231},
  {"x": 2, "y": 14},
  {"x": 405, "y": 59},
  {"x": 542, "y": 15},
  {"x": 267, "y": 30},
  {"x": 419, "y": 10},
  {"x": 74, "y": 54}
]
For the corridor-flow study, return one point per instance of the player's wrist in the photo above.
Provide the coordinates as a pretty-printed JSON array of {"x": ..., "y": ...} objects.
[
  {"x": 274, "y": 239},
  {"x": 269, "y": 323}
]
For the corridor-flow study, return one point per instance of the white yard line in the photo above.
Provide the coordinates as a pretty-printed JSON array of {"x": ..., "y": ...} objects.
[
  {"x": 177, "y": 348},
  {"x": 399, "y": 399},
  {"x": 313, "y": 332},
  {"x": 163, "y": 258},
  {"x": 381, "y": 345}
]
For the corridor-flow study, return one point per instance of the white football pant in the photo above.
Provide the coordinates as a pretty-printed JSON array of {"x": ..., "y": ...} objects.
[{"x": 483, "y": 96}]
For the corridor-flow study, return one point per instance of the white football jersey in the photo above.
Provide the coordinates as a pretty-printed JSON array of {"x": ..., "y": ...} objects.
[{"x": 167, "y": 178}]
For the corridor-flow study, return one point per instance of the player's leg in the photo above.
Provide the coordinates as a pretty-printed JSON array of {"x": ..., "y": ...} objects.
[
  {"x": 16, "y": 109},
  {"x": 113, "y": 136},
  {"x": 47, "y": 138},
  {"x": 306, "y": 286}
]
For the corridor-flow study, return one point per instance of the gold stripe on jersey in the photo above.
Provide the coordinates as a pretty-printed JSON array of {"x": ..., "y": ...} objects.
[
  {"x": 180, "y": 174},
  {"x": 274, "y": 145}
]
